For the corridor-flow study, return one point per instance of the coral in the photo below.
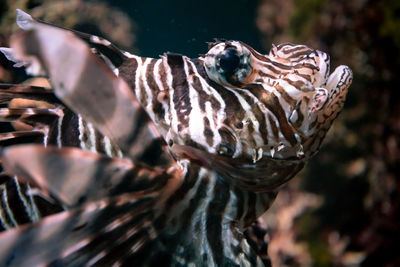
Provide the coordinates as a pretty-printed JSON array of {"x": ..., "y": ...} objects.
[{"x": 356, "y": 173}]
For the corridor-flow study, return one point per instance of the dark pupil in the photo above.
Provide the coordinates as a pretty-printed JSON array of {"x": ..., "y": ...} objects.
[{"x": 229, "y": 61}]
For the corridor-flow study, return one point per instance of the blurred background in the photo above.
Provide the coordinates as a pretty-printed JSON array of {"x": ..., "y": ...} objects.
[{"x": 343, "y": 209}]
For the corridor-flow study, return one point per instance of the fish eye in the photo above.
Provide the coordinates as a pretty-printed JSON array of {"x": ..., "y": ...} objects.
[{"x": 228, "y": 63}]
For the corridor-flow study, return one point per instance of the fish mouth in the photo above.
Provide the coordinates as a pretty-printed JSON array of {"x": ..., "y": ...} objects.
[{"x": 264, "y": 175}]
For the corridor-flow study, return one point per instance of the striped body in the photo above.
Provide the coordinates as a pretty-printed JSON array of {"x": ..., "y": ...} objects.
[
  {"x": 53, "y": 125},
  {"x": 275, "y": 109},
  {"x": 188, "y": 152}
]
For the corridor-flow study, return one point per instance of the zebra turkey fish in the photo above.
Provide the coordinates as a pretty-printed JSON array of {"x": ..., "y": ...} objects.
[{"x": 154, "y": 161}]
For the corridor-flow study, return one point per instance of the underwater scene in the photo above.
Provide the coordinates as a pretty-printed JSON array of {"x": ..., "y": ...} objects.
[{"x": 172, "y": 196}]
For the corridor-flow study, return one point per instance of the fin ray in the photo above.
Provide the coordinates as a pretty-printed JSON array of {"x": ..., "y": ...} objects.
[
  {"x": 92, "y": 90},
  {"x": 72, "y": 175},
  {"x": 75, "y": 237}
]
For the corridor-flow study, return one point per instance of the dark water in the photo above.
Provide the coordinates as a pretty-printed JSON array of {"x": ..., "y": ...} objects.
[{"x": 185, "y": 26}]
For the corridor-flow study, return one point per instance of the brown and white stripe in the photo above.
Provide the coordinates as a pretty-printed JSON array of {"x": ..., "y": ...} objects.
[{"x": 207, "y": 142}]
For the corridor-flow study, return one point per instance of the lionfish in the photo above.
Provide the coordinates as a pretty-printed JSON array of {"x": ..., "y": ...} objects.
[{"x": 153, "y": 161}]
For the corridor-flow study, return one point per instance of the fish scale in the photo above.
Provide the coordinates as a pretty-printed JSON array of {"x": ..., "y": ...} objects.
[{"x": 159, "y": 161}]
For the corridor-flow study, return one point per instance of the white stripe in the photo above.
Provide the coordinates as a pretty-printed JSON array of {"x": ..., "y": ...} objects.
[
  {"x": 138, "y": 73},
  {"x": 249, "y": 117},
  {"x": 210, "y": 116},
  {"x": 230, "y": 213},
  {"x": 202, "y": 216},
  {"x": 129, "y": 55},
  {"x": 99, "y": 40},
  {"x": 3, "y": 219},
  {"x": 92, "y": 137},
  {"x": 209, "y": 89},
  {"x": 35, "y": 211},
  {"x": 30, "y": 208},
  {"x": 149, "y": 92},
  {"x": 220, "y": 114},
  {"x": 157, "y": 76},
  {"x": 59, "y": 124},
  {"x": 7, "y": 207},
  {"x": 196, "y": 121},
  {"x": 227, "y": 237},
  {"x": 168, "y": 75},
  {"x": 81, "y": 129},
  {"x": 257, "y": 137},
  {"x": 185, "y": 202},
  {"x": 158, "y": 80},
  {"x": 96, "y": 258},
  {"x": 107, "y": 146}
]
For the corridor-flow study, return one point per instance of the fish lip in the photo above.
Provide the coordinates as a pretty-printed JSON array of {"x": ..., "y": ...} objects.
[{"x": 264, "y": 175}]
